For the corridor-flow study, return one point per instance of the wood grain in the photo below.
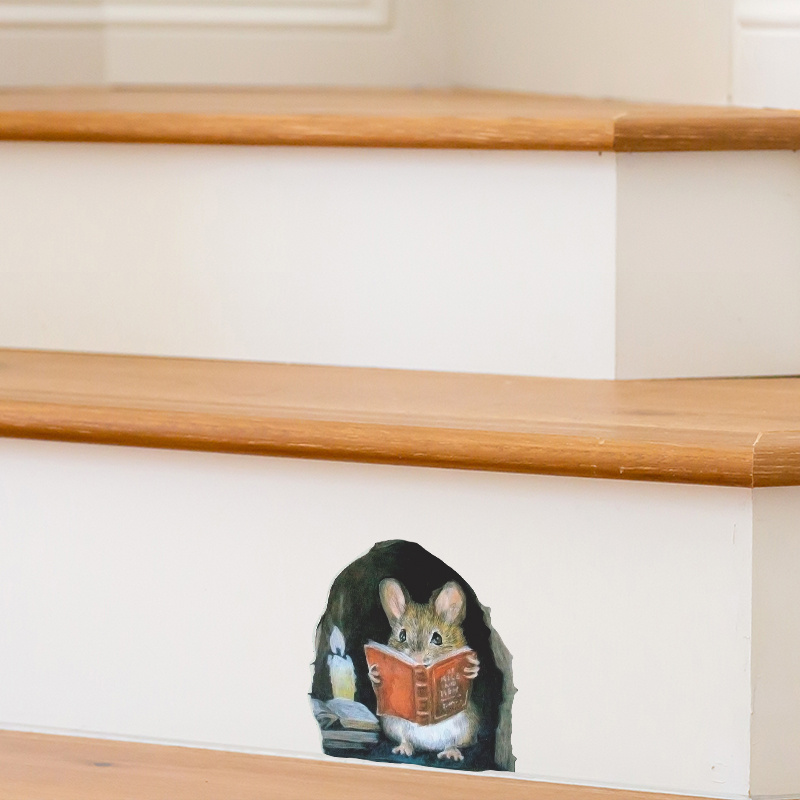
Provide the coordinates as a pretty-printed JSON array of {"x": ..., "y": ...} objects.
[
  {"x": 387, "y": 118},
  {"x": 36, "y": 766},
  {"x": 742, "y": 129},
  {"x": 728, "y": 432}
]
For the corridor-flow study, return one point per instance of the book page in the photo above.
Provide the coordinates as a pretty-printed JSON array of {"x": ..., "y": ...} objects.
[{"x": 353, "y": 715}]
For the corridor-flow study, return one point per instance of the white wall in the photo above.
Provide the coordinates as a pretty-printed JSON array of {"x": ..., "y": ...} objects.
[{"x": 174, "y": 596}]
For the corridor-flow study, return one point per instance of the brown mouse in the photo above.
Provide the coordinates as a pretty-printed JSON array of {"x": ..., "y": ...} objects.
[{"x": 425, "y": 633}]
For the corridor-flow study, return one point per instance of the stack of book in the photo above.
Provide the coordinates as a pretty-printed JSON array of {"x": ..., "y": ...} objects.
[{"x": 345, "y": 724}]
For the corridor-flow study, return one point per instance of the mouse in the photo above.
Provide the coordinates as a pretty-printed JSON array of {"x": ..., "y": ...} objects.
[{"x": 425, "y": 632}]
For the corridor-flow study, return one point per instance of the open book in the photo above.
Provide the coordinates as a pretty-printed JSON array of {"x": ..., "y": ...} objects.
[{"x": 418, "y": 693}]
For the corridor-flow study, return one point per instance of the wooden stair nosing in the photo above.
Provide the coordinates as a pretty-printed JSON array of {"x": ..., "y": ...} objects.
[
  {"x": 728, "y": 432},
  {"x": 388, "y": 118}
]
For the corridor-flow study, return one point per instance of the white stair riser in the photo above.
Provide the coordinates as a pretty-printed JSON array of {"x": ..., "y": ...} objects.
[
  {"x": 433, "y": 260},
  {"x": 174, "y": 597},
  {"x": 533, "y": 263},
  {"x": 775, "y": 767}
]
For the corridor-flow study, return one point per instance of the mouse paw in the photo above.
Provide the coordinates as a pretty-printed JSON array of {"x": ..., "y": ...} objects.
[
  {"x": 452, "y": 753},
  {"x": 404, "y": 749},
  {"x": 472, "y": 670},
  {"x": 374, "y": 675}
]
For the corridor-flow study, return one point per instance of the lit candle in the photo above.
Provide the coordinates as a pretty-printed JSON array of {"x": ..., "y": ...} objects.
[{"x": 340, "y": 666}]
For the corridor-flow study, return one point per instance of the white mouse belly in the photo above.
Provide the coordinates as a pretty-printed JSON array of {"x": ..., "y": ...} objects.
[{"x": 457, "y": 731}]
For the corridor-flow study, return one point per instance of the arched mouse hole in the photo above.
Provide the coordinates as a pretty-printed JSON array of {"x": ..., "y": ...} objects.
[{"x": 438, "y": 688}]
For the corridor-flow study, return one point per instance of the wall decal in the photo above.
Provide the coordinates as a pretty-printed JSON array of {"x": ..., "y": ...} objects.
[{"x": 408, "y": 667}]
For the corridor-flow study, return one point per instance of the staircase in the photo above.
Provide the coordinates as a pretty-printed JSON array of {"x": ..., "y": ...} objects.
[{"x": 523, "y": 332}]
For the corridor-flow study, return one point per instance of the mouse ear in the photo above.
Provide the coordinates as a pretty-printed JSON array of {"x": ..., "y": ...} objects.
[
  {"x": 450, "y": 603},
  {"x": 394, "y": 598}
]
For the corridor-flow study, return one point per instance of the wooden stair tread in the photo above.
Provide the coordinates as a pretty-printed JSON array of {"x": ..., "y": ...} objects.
[
  {"x": 35, "y": 766},
  {"x": 387, "y": 118},
  {"x": 730, "y": 432}
]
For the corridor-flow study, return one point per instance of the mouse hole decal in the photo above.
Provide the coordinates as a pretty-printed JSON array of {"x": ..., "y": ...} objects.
[{"x": 408, "y": 668}]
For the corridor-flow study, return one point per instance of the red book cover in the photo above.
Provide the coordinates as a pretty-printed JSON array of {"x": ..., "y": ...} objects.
[{"x": 418, "y": 693}]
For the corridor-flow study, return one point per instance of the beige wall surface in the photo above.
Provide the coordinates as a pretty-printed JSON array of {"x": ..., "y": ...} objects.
[
  {"x": 653, "y": 50},
  {"x": 253, "y": 42},
  {"x": 51, "y": 56},
  {"x": 745, "y": 52},
  {"x": 637, "y": 49},
  {"x": 63, "y": 47},
  {"x": 404, "y": 44}
]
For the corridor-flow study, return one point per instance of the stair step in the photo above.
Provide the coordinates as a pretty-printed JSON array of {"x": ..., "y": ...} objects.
[
  {"x": 742, "y": 432},
  {"x": 33, "y": 766},
  {"x": 388, "y": 118},
  {"x": 594, "y": 263},
  {"x": 176, "y": 594}
]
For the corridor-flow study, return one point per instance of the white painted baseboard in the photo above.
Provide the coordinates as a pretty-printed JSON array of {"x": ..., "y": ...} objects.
[{"x": 257, "y": 13}]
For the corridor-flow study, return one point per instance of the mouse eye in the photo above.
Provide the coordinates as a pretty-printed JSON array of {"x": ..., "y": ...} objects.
[
  {"x": 401, "y": 637},
  {"x": 436, "y": 638}
]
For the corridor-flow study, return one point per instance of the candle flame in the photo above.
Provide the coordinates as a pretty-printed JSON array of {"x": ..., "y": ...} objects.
[{"x": 337, "y": 641}]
